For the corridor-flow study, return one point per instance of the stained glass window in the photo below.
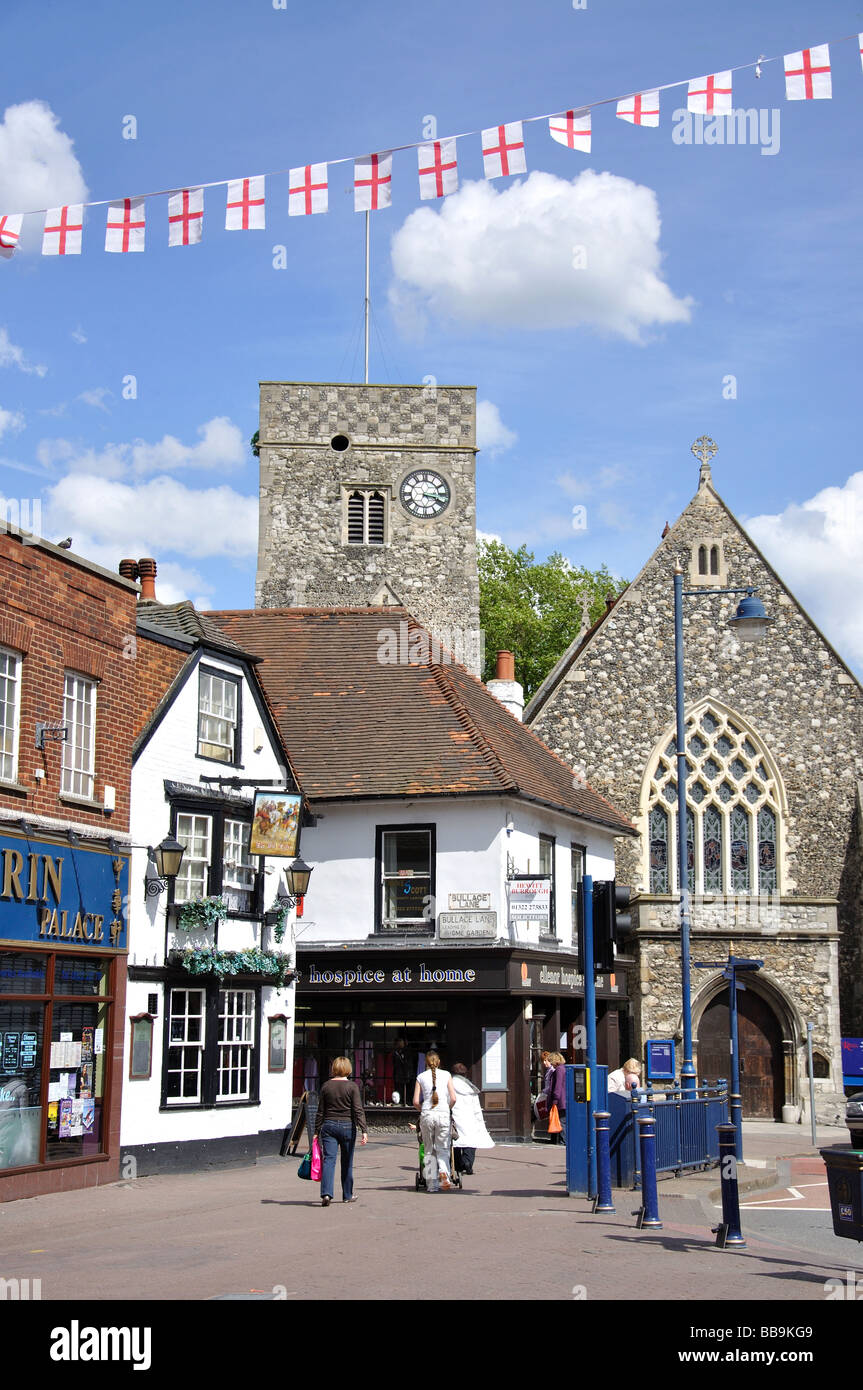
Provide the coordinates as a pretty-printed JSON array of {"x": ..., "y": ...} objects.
[
  {"x": 690, "y": 849},
  {"x": 766, "y": 850},
  {"x": 709, "y": 723},
  {"x": 658, "y": 850},
  {"x": 739, "y": 850},
  {"x": 711, "y": 823}
]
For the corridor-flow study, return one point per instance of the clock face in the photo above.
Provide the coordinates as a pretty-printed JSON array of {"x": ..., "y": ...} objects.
[{"x": 424, "y": 493}]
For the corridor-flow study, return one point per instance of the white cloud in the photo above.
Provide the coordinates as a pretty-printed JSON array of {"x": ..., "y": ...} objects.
[
  {"x": 545, "y": 253},
  {"x": 815, "y": 547},
  {"x": 38, "y": 167},
  {"x": 96, "y": 397},
  {"x": 109, "y": 519},
  {"x": 12, "y": 356},
  {"x": 221, "y": 447},
  {"x": 79, "y": 335},
  {"x": 492, "y": 434},
  {"x": 488, "y": 536},
  {"x": 10, "y": 420}
]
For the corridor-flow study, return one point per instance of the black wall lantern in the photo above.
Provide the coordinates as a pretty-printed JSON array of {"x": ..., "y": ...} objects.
[{"x": 163, "y": 863}]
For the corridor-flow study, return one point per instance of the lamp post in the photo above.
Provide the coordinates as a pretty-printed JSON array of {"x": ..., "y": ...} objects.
[{"x": 749, "y": 624}]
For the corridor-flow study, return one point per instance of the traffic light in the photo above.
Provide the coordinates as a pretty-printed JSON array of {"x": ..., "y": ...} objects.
[{"x": 611, "y": 921}]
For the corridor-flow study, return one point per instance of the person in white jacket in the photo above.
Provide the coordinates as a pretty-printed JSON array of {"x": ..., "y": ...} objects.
[{"x": 468, "y": 1120}]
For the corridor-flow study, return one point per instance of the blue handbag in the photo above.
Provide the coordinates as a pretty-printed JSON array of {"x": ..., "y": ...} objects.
[{"x": 305, "y": 1168}]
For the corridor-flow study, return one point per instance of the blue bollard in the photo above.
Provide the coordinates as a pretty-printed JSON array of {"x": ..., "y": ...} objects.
[
  {"x": 728, "y": 1233},
  {"x": 649, "y": 1213},
  {"x": 602, "y": 1201}
]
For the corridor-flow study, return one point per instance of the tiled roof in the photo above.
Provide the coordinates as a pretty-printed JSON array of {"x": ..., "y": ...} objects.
[
  {"x": 357, "y": 726},
  {"x": 184, "y": 623}
]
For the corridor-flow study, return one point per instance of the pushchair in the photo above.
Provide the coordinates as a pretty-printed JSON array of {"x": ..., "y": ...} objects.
[{"x": 419, "y": 1180}]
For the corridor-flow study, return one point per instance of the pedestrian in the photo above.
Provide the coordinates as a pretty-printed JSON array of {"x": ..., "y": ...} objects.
[
  {"x": 340, "y": 1115},
  {"x": 433, "y": 1097},
  {"x": 626, "y": 1078},
  {"x": 557, "y": 1093},
  {"x": 468, "y": 1120}
]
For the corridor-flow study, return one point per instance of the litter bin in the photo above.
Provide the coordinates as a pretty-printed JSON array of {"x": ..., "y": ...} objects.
[{"x": 845, "y": 1180}]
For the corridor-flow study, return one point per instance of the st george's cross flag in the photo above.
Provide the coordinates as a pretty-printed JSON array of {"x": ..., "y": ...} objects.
[
  {"x": 63, "y": 230},
  {"x": 807, "y": 74},
  {"x": 438, "y": 168},
  {"x": 186, "y": 217},
  {"x": 373, "y": 177},
  {"x": 503, "y": 150},
  {"x": 124, "y": 229},
  {"x": 571, "y": 130},
  {"x": 710, "y": 95},
  {"x": 307, "y": 190},
  {"x": 245, "y": 209},
  {"x": 10, "y": 231},
  {"x": 641, "y": 109}
]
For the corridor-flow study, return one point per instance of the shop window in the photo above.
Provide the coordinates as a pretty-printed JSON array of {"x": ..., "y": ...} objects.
[
  {"x": 386, "y": 1047},
  {"x": 217, "y": 861},
  {"x": 212, "y": 1048},
  {"x": 79, "y": 749},
  {"x": 61, "y": 1004},
  {"x": 218, "y": 716},
  {"x": 10, "y": 713},
  {"x": 405, "y": 878}
]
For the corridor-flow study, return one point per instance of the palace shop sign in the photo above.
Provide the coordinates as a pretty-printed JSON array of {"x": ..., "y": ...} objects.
[{"x": 54, "y": 894}]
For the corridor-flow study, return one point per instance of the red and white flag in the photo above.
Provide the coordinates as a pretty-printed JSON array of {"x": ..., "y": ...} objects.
[
  {"x": 642, "y": 109},
  {"x": 373, "y": 177},
  {"x": 860, "y": 46},
  {"x": 124, "y": 230},
  {"x": 63, "y": 230},
  {"x": 571, "y": 130},
  {"x": 307, "y": 190},
  {"x": 10, "y": 230},
  {"x": 186, "y": 217},
  {"x": 503, "y": 150},
  {"x": 438, "y": 169},
  {"x": 711, "y": 95},
  {"x": 807, "y": 74},
  {"x": 245, "y": 209}
]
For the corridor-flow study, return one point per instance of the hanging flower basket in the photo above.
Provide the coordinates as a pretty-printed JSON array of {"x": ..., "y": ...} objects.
[
  {"x": 209, "y": 960},
  {"x": 201, "y": 913}
]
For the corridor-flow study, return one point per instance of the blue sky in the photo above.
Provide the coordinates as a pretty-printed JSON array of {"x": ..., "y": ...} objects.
[{"x": 703, "y": 263}]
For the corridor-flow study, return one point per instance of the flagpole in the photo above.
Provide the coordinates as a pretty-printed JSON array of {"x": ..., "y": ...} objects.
[{"x": 367, "y": 300}]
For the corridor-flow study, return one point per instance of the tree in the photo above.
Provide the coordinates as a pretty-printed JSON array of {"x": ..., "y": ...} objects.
[{"x": 535, "y": 609}]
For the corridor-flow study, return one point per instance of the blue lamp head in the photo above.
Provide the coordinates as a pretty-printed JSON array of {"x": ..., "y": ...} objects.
[{"x": 750, "y": 623}]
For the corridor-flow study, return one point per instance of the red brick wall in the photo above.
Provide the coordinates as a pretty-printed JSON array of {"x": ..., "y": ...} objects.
[
  {"x": 155, "y": 668},
  {"x": 62, "y": 616}
]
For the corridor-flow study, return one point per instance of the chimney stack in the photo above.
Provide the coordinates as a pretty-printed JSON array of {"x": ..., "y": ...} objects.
[
  {"x": 505, "y": 687},
  {"x": 147, "y": 574}
]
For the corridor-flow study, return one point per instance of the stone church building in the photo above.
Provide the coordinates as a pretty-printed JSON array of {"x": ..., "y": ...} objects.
[{"x": 773, "y": 806}]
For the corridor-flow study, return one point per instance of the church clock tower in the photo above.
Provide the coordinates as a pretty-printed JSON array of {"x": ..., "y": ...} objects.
[{"x": 368, "y": 497}]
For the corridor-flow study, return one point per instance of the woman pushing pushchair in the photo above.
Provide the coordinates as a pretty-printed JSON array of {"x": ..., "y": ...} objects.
[{"x": 434, "y": 1097}]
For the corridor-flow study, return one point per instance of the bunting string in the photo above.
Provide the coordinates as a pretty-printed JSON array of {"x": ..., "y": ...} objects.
[{"x": 808, "y": 76}]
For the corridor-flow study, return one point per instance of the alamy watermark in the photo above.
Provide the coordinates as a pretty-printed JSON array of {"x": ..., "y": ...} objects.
[
  {"x": 416, "y": 647},
  {"x": 744, "y": 127},
  {"x": 24, "y": 515}
]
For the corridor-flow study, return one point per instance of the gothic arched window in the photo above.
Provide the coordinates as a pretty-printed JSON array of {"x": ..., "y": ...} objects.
[{"x": 733, "y": 799}]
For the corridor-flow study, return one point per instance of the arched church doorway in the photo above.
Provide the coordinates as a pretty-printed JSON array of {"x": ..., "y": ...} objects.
[{"x": 762, "y": 1073}]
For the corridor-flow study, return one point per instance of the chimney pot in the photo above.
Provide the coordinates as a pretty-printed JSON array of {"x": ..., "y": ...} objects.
[
  {"x": 505, "y": 670},
  {"x": 147, "y": 573},
  {"x": 129, "y": 569}
]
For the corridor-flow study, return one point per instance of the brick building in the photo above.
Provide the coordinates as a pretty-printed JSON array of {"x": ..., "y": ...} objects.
[{"x": 66, "y": 643}]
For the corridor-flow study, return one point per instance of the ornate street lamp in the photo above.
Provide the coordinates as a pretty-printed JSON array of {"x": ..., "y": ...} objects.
[{"x": 163, "y": 863}]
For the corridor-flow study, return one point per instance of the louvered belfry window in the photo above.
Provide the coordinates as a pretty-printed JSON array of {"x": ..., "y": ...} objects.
[{"x": 366, "y": 517}]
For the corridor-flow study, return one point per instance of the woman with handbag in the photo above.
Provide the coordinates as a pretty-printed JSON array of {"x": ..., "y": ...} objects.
[
  {"x": 557, "y": 1098},
  {"x": 340, "y": 1115}
]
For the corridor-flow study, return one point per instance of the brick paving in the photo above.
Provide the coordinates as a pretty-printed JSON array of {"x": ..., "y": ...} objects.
[{"x": 511, "y": 1234}]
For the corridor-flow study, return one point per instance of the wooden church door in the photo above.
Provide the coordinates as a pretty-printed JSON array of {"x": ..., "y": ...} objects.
[{"x": 762, "y": 1085}]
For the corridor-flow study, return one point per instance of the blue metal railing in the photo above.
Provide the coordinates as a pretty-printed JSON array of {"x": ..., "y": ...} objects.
[{"x": 686, "y": 1134}]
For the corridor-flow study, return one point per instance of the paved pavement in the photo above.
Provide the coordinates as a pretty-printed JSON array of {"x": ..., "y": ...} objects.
[{"x": 510, "y": 1234}]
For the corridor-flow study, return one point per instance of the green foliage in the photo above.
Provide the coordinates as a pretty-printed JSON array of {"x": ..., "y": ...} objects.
[
  {"x": 254, "y": 445},
  {"x": 208, "y": 960},
  {"x": 534, "y": 609},
  {"x": 201, "y": 913}
]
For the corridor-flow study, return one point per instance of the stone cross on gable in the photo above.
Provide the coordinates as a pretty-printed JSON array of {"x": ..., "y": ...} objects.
[{"x": 704, "y": 449}]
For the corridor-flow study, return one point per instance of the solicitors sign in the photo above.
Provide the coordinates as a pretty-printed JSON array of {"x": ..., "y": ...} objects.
[{"x": 63, "y": 895}]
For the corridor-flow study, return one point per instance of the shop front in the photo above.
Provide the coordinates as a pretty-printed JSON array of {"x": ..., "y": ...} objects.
[
  {"x": 62, "y": 991},
  {"x": 495, "y": 1009}
]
